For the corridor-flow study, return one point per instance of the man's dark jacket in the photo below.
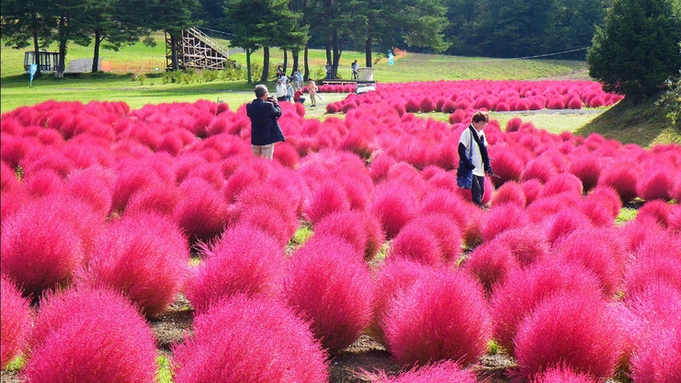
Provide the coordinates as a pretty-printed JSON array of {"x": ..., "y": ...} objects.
[{"x": 265, "y": 129}]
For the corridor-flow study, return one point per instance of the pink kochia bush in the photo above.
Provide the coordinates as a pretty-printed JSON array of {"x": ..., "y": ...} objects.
[
  {"x": 145, "y": 257},
  {"x": 441, "y": 372},
  {"x": 41, "y": 248},
  {"x": 360, "y": 229},
  {"x": 202, "y": 213},
  {"x": 243, "y": 339},
  {"x": 573, "y": 331},
  {"x": 524, "y": 289},
  {"x": 90, "y": 335},
  {"x": 16, "y": 321},
  {"x": 441, "y": 317},
  {"x": 330, "y": 286},
  {"x": 245, "y": 260},
  {"x": 656, "y": 357},
  {"x": 563, "y": 375},
  {"x": 490, "y": 263},
  {"x": 394, "y": 276},
  {"x": 395, "y": 207}
]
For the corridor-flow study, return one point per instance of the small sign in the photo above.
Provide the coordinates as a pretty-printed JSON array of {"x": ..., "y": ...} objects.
[{"x": 32, "y": 71}]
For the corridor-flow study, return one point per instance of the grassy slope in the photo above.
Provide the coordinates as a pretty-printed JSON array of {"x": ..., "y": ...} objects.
[{"x": 643, "y": 125}]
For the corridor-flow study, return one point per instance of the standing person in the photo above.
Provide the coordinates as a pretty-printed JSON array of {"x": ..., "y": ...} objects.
[
  {"x": 312, "y": 89},
  {"x": 264, "y": 112},
  {"x": 289, "y": 91},
  {"x": 300, "y": 79},
  {"x": 281, "y": 90},
  {"x": 355, "y": 69},
  {"x": 473, "y": 141},
  {"x": 328, "y": 71},
  {"x": 294, "y": 80},
  {"x": 280, "y": 72}
]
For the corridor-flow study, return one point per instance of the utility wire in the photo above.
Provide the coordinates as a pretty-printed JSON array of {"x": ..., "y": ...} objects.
[
  {"x": 216, "y": 31},
  {"x": 506, "y": 59}
]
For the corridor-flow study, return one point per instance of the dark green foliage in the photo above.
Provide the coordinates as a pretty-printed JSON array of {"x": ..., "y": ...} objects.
[
  {"x": 637, "y": 49},
  {"x": 519, "y": 28},
  {"x": 263, "y": 24}
]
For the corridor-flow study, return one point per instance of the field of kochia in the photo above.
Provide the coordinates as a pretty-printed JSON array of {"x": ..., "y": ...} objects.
[{"x": 356, "y": 227}]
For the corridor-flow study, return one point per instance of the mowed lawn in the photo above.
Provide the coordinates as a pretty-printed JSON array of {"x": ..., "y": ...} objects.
[{"x": 145, "y": 61}]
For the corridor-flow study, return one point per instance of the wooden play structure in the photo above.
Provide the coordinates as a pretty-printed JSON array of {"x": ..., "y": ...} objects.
[{"x": 196, "y": 51}]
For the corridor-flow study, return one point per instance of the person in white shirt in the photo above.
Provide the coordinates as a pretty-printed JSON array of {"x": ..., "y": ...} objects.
[
  {"x": 473, "y": 153},
  {"x": 281, "y": 90}
]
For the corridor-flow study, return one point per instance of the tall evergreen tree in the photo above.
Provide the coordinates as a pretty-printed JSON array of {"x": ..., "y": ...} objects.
[
  {"x": 25, "y": 23},
  {"x": 173, "y": 16},
  {"x": 72, "y": 25},
  {"x": 636, "y": 50},
  {"x": 113, "y": 23},
  {"x": 418, "y": 23},
  {"x": 263, "y": 24}
]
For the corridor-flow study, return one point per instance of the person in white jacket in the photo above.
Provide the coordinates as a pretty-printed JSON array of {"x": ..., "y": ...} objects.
[{"x": 281, "y": 90}]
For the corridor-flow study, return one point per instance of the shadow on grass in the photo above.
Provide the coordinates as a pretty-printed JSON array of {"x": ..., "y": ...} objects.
[{"x": 642, "y": 124}]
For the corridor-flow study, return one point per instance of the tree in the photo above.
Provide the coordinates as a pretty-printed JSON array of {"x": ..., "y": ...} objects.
[
  {"x": 173, "y": 16},
  {"x": 263, "y": 24},
  {"x": 72, "y": 25},
  {"x": 24, "y": 22},
  {"x": 112, "y": 23},
  {"x": 636, "y": 50},
  {"x": 417, "y": 23},
  {"x": 336, "y": 22}
]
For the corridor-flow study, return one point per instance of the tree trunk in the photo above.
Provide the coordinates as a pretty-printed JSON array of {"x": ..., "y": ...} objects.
[
  {"x": 367, "y": 51},
  {"x": 95, "y": 59},
  {"x": 328, "y": 52},
  {"x": 336, "y": 55},
  {"x": 265, "y": 63},
  {"x": 62, "y": 47},
  {"x": 61, "y": 67},
  {"x": 285, "y": 60},
  {"x": 36, "y": 54},
  {"x": 173, "y": 49},
  {"x": 306, "y": 75},
  {"x": 295, "y": 53}
]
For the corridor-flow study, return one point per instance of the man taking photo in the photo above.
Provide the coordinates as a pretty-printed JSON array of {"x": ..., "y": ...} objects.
[{"x": 264, "y": 112}]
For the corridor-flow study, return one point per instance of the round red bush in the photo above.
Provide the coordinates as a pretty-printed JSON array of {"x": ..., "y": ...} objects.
[
  {"x": 417, "y": 243},
  {"x": 507, "y": 166},
  {"x": 490, "y": 263},
  {"x": 145, "y": 257},
  {"x": 622, "y": 177},
  {"x": 441, "y": 372},
  {"x": 439, "y": 318},
  {"x": 509, "y": 193},
  {"x": 330, "y": 286},
  {"x": 16, "y": 321},
  {"x": 41, "y": 248},
  {"x": 570, "y": 331},
  {"x": 91, "y": 335},
  {"x": 245, "y": 260},
  {"x": 202, "y": 212},
  {"x": 394, "y": 206},
  {"x": 524, "y": 289},
  {"x": 249, "y": 340},
  {"x": 656, "y": 185}
]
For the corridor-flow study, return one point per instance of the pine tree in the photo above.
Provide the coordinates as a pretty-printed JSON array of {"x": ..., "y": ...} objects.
[{"x": 636, "y": 50}]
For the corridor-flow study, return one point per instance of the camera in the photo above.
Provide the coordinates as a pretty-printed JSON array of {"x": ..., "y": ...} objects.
[{"x": 271, "y": 99}]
